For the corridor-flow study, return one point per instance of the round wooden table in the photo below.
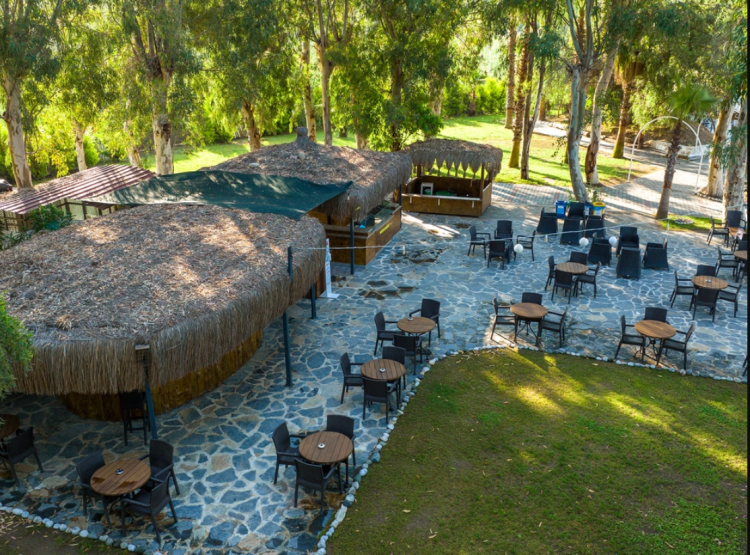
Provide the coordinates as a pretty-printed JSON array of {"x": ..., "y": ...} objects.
[
  {"x": 336, "y": 448},
  {"x": 654, "y": 329},
  {"x": 573, "y": 268},
  {"x": 741, "y": 255},
  {"x": 106, "y": 481},
  {"x": 529, "y": 312},
  {"x": 10, "y": 426},
  {"x": 416, "y": 326},
  {"x": 708, "y": 282},
  {"x": 394, "y": 371}
]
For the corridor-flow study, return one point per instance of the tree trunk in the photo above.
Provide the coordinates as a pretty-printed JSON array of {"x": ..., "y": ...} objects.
[
  {"x": 627, "y": 91},
  {"x": 16, "y": 138},
  {"x": 511, "y": 86},
  {"x": 737, "y": 174},
  {"x": 543, "y": 110},
  {"x": 662, "y": 213},
  {"x": 79, "y": 131},
  {"x": 134, "y": 157},
  {"x": 253, "y": 131},
  {"x": 579, "y": 86},
  {"x": 528, "y": 131},
  {"x": 521, "y": 91},
  {"x": 343, "y": 133},
  {"x": 592, "y": 173},
  {"x": 715, "y": 187},
  {"x": 397, "y": 87},
  {"x": 326, "y": 70},
  {"x": 473, "y": 103},
  {"x": 162, "y": 128},
  {"x": 362, "y": 142},
  {"x": 436, "y": 106},
  {"x": 307, "y": 94}
]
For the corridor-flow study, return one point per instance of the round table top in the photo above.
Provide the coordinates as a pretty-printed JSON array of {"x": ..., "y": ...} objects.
[
  {"x": 337, "y": 448},
  {"x": 573, "y": 268},
  {"x": 708, "y": 282},
  {"x": 741, "y": 255},
  {"x": 393, "y": 370},
  {"x": 10, "y": 425},
  {"x": 655, "y": 329},
  {"x": 530, "y": 311},
  {"x": 106, "y": 481},
  {"x": 416, "y": 326}
]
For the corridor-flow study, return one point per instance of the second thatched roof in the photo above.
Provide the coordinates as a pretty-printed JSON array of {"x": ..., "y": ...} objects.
[
  {"x": 453, "y": 153},
  {"x": 374, "y": 174},
  {"x": 193, "y": 282}
]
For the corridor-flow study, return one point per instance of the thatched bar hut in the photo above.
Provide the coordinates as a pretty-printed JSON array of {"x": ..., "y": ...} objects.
[
  {"x": 198, "y": 284},
  {"x": 458, "y": 194},
  {"x": 361, "y": 216}
]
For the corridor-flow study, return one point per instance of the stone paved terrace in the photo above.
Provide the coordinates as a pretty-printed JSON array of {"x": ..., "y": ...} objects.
[{"x": 225, "y": 456}]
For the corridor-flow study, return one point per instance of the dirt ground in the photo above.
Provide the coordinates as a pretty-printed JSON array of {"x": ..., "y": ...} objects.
[{"x": 19, "y": 537}]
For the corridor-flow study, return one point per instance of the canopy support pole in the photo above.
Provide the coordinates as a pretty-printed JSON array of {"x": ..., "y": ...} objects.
[
  {"x": 144, "y": 350},
  {"x": 312, "y": 297},
  {"x": 401, "y": 195},
  {"x": 285, "y": 321},
  {"x": 351, "y": 244}
]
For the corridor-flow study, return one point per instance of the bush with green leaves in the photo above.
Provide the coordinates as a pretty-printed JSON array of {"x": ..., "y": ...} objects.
[
  {"x": 16, "y": 350},
  {"x": 49, "y": 218}
]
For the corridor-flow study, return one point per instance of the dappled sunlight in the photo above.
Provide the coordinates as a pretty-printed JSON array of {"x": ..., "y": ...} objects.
[{"x": 441, "y": 231}]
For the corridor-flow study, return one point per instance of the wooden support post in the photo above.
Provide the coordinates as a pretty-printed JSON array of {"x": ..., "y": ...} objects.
[
  {"x": 144, "y": 351},
  {"x": 285, "y": 321},
  {"x": 351, "y": 244},
  {"x": 401, "y": 195},
  {"x": 313, "y": 307}
]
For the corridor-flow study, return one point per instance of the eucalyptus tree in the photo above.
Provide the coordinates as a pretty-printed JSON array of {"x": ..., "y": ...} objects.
[
  {"x": 628, "y": 71},
  {"x": 511, "y": 83},
  {"x": 597, "y": 118}
]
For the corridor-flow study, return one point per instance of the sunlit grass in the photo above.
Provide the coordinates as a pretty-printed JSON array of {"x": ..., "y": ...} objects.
[{"x": 505, "y": 452}]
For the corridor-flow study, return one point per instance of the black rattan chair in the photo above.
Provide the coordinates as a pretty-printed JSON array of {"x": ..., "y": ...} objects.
[
  {"x": 588, "y": 279},
  {"x": 377, "y": 391},
  {"x": 397, "y": 354},
  {"x": 149, "y": 503},
  {"x": 345, "y": 426},
  {"x": 315, "y": 477},
  {"x": 579, "y": 258},
  {"x": 430, "y": 309},
  {"x": 706, "y": 298},
  {"x": 572, "y": 231},
  {"x": 633, "y": 339},
  {"x": 732, "y": 295},
  {"x": 564, "y": 281},
  {"x": 706, "y": 270},
  {"x": 718, "y": 230},
  {"x": 503, "y": 316},
  {"x": 133, "y": 408},
  {"x": 656, "y": 314},
  {"x": 678, "y": 346},
  {"x": 577, "y": 210},
  {"x": 682, "y": 287},
  {"x": 527, "y": 243},
  {"x": 476, "y": 240},
  {"x": 504, "y": 230},
  {"x": 551, "y": 274},
  {"x": 727, "y": 261},
  {"x": 286, "y": 453},
  {"x": 556, "y": 324},
  {"x": 628, "y": 239},
  {"x": 533, "y": 298},
  {"x": 547, "y": 223},
  {"x": 601, "y": 252},
  {"x": 656, "y": 256},
  {"x": 383, "y": 334},
  {"x": 412, "y": 346},
  {"x": 594, "y": 227},
  {"x": 19, "y": 449},
  {"x": 629, "y": 264},
  {"x": 499, "y": 249},
  {"x": 161, "y": 460},
  {"x": 86, "y": 469},
  {"x": 350, "y": 378},
  {"x": 739, "y": 244}
]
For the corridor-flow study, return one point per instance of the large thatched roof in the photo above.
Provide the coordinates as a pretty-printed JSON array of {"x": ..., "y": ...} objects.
[
  {"x": 194, "y": 282},
  {"x": 462, "y": 154},
  {"x": 375, "y": 174}
]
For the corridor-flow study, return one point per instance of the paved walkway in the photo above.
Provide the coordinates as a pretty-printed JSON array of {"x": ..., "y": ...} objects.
[{"x": 225, "y": 457}]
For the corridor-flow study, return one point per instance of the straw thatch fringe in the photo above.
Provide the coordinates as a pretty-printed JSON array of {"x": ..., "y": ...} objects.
[
  {"x": 194, "y": 333},
  {"x": 375, "y": 174},
  {"x": 462, "y": 154}
]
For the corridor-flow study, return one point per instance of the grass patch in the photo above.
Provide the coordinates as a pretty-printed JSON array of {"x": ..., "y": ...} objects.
[
  {"x": 516, "y": 453},
  {"x": 18, "y": 537},
  {"x": 701, "y": 225},
  {"x": 546, "y": 156}
]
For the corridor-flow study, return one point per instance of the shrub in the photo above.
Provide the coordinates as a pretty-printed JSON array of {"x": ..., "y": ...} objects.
[
  {"x": 15, "y": 348},
  {"x": 49, "y": 218}
]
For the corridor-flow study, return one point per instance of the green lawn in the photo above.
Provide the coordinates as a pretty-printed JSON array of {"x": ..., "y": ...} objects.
[
  {"x": 506, "y": 453},
  {"x": 546, "y": 156},
  {"x": 701, "y": 225}
]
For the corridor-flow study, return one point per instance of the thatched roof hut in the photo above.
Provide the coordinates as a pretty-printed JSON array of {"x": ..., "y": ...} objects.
[
  {"x": 194, "y": 282},
  {"x": 375, "y": 174},
  {"x": 459, "y": 154}
]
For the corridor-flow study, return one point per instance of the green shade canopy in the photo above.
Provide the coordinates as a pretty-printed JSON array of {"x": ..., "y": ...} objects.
[{"x": 286, "y": 196}]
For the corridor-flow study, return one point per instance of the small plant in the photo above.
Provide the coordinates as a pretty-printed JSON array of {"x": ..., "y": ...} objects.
[
  {"x": 49, "y": 218},
  {"x": 15, "y": 348},
  {"x": 596, "y": 194}
]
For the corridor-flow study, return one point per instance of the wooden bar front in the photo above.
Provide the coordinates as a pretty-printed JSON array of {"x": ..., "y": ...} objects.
[{"x": 472, "y": 198}]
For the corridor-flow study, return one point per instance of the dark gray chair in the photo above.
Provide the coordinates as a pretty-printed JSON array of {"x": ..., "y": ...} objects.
[
  {"x": 504, "y": 230},
  {"x": 726, "y": 261},
  {"x": 315, "y": 477},
  {"x": 499, "y": 249},
  {"x": 377, "y": 391},
  {"x": 706, "y": 271},
  {"x": 527, "y": 243},
  {"x": 564, "y": 281},
  {"x": 412, "y": 346},
  {"x": 600, "y": 251},
  {"x": 345, "y": 426},
  {"x": 161, "y": 460},
  {"x": 551, "y": 274},
  {"x": 351, "y": 379},
  {"x": 677, "y": 346},
  {"x": 547, "y": 223},
  {"x": 383, "y": 333},
  {"x": 633, "y": 339},
  {"x": 706, "y": 298},
  {"x": 579, "y": 258},
  {"x": 656, "y": 256},
  {"x": 397, "y": 354},
  {"x": 656, "y": 314},
  {"x": 430, "y": 309},
  {"x": 734, "y": 220},
  {"x": 86, "y": 469},
  {"x": 533, "y": 298},
  {"x": 594, "y": 227},
  {"x": 503, "y": 316},
  {"x": 628, "y": 239},
  {"x": 286, "y": 453},
  {"x": 149, "y": 503},
  {"x": 133, "y": 408},
  {"x": 476, "y": 239},
  {"x": 577, "y": 210},
  {"x": 682, "y": 287},
  {"x": 629, "y": 264},
  {"x": 19, "y": 449},
  {"x": 555, "y": 322},
  {"x": 732, "y": 295},
  {"x": 572, "y": 231},
  {"x": 588, "y": 279}
]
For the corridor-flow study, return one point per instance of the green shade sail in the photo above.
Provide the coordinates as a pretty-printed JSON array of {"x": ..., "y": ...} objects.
[{"x": 287, "y": 196}]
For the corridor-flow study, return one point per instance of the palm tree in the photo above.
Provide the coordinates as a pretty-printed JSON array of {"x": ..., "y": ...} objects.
[{"x": 689, "y": 101}]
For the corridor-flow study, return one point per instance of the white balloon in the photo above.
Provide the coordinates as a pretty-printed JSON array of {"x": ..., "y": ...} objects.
[
  {"x": 518, "y": 249},
  {"x": 613, "y": 241},
  {"x": 584, "y": 242}
]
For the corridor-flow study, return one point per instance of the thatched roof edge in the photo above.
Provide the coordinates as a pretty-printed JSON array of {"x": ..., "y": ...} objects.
[{"x": 456, "y": 153}]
